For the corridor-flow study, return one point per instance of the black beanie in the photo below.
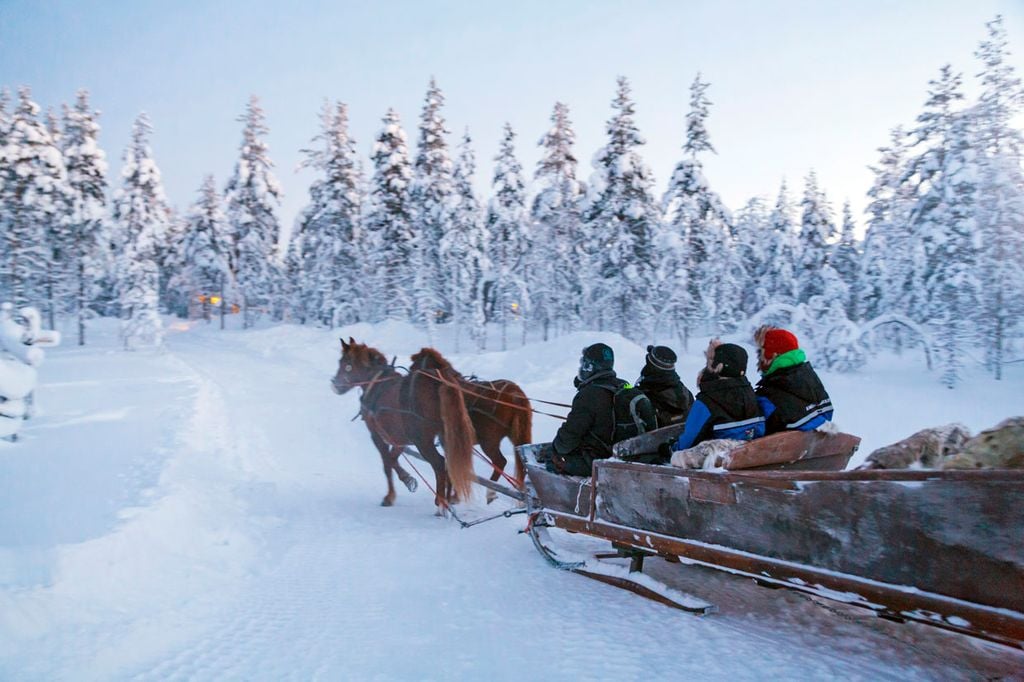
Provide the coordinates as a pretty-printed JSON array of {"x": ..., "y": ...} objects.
[
  {"x": 732, "y": 358},
  {"x": 661, "y": 357},
  {"x": 596, "y": 358}
]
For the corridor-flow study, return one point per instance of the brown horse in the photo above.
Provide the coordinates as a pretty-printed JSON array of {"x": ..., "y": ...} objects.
[
  {"x": 498, "y": 409},
  {"x": 400, "y": 411}
]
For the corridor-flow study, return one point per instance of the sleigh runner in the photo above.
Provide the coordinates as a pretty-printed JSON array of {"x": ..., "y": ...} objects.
[{"x": 939, "y": 547}]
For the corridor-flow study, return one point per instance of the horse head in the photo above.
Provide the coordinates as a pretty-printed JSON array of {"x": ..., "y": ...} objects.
[{"x": 358, "y": 365}]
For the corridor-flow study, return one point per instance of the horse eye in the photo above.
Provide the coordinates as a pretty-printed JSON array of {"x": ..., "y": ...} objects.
[{"x": 348, "y": 368}]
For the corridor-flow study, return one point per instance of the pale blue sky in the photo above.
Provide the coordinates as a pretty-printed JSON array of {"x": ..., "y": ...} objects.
[{"x": 795, "y": 84}]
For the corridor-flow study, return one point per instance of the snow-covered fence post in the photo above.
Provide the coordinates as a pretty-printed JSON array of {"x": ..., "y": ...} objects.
[{"x": 21, "y": 351}]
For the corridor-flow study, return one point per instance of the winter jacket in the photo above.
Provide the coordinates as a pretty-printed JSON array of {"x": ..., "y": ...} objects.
[
  {"x": 726, "y": 407},
  {"x": 792, "y": 396},
  {"x": 670, "y": 398},
  {"x": 591, "y": 421}
]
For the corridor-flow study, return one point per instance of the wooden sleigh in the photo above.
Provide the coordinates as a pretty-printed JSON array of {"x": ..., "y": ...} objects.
[{"x": 939, "y": 547}]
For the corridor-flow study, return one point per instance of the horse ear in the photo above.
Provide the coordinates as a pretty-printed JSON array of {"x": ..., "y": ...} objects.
[
  {"x": 344, "y": 346},
  {"x": 351, "y": 341}
]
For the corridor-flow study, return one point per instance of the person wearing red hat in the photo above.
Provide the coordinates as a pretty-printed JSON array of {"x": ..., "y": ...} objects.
[{"x": 790, "y": 392}]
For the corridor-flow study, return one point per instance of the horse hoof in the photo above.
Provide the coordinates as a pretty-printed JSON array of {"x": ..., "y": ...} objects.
[
  {"x": 411, "y": 484},
  {"x": 441, "y": 513},
  {"x": 491, "y": 496},
  {"x": 387, "y": 502}
]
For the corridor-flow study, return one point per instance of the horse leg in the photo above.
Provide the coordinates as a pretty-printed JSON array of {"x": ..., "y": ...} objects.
[
  {"x": 388, "y": 460},
  {"x": 403, "y": 475},
  {"x": 436, "y": 461},
  {"x": 492, "y": 448}
]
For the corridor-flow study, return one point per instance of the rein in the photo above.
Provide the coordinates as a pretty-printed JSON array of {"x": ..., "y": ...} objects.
[{"x": 437, "y": 377}]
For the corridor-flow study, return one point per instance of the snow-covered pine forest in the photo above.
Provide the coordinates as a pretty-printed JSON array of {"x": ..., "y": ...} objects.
[{"x": 401, "y": 234}]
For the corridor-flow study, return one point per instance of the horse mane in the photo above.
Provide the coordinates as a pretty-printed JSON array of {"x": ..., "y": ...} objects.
[
  {"x": 367, "y": 355},
  {"x": 430, "y": 358}
]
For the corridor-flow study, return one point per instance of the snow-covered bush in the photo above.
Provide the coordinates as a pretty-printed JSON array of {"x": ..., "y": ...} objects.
[
  {"x": 836, "y": 342},
  {"x": 21, "y": 350}
]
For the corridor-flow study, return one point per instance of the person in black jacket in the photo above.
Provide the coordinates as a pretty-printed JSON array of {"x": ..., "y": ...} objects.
[
  {"x": 663, "y": 387},
  {"x": 587, "y": 432},
  {"x": 790, "y": 392},
  {"x": 726, "y": 406}
]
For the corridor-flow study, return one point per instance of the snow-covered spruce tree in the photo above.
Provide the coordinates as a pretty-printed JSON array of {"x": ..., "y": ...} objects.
[
  {"x": 251, "y": 196},
  {"x": 885, "y": 274},
  {"x": 845, "y": 258},
  {"x": 699, "y": 272},
  {"x": 622, "y": 221},
  {"x": 86, "y": 167},
  {"x": 170, "y": 261},
  {"x": 954, "y": 292},
  {"x": 945, "y": 219},
  {"x": 430, "y": 196},
  {"x": 59, "y": 238},
  {"x": 388, "y": 225},
  {"x": 931, "y": 139},
  {"x": 292, "y": 271},
  {"x": 5, "y": 207},
  {"x": 508, "y": 235},
  {"x": 33, "y": 206},
  {"x": 326, "y": 246},
  {"x": 816, "y": 230},
  {"x": 1000, "y": 196},
  {"x": 752, "y": 239},
  {"x": 782, "y": 252},
  {"x": 141, "y": 214},
  {"x": 829, "y": 330},
  {"x": 205, "y": 270},
  {"x": 464, "y": 251},
  {"x": 5, "y": 116},
  {"x": 557, "y": 259}
]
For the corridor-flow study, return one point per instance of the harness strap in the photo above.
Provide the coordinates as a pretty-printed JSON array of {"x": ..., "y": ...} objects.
[{"x": 442, "y": 380}]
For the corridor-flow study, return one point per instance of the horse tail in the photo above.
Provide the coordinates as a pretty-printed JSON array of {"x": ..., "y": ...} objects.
[
  {"x": 458, "y": 436},
  {"x": 522, "y": 432}
]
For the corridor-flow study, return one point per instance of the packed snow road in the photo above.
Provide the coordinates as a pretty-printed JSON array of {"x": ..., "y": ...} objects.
[{"x": 212, "y": 512}]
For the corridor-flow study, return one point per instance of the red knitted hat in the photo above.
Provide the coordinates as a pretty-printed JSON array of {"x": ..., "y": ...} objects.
[{"x": 777, "y": 342}]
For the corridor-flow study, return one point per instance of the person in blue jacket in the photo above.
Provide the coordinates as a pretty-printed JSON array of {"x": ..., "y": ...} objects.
[{"x": 726, "y": 406}]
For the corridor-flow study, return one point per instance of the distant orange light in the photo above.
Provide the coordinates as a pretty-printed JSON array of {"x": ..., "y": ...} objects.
[{"x": 215, "y": 300}]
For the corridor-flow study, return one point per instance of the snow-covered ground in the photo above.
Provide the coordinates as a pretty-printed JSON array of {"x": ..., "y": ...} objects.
[{"x": 211, "y": 512}]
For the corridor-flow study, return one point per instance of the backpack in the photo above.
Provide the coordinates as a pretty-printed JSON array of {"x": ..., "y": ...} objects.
[{"x": 634, "y": 413}]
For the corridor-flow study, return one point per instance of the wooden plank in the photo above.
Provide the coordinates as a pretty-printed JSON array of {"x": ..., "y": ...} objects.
[
  {"x": 980, "y": 620},
  {"x": 647, "y": 443},
  {"x": 791, "y": 449},
  {"x": 949, "y": 534},
  {"x": 569, "y": 494}
]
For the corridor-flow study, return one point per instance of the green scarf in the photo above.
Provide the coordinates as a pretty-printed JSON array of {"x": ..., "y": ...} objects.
[{"x": 787, "y": 359}]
